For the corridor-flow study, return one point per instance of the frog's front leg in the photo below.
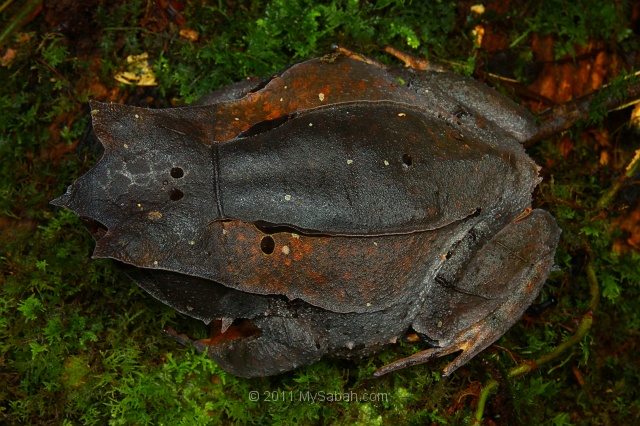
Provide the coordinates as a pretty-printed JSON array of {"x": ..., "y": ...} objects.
[
  {"x": 260, "y": 347},
  {"x": 489, "y": 294}
]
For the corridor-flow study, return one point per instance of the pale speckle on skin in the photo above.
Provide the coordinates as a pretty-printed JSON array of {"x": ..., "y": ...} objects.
[
  {"x": 137, "y": 116},
  {"x": 224, "y": 232},
  {"x": 296, "y": 236},
  {"x": 189, "y": 308},
  {"x": 386, "y": 163},
  {"x": 368, "y": 304},
  {"x": 287, "y": 197},
  {"x": 321, "y": 96},
  {"x": 126, "y": 146},
  {"x": 349, "y": 161},
  {"x": 439, "y": 324},
  {"x": 237, "y": 119},
  {"x": 191, "y": 243},
  {"x": 285, "y": 250},
  {"x": 310, "y": 124},
  {"x": 154, "y": 215},
  {"x": 402, "y": 114},
  {"x": 375, "y": 243},
  {"x": 281, "y": 99},
  {"x": 155, "y": 263},
  {"x": 285, "y": 87}
]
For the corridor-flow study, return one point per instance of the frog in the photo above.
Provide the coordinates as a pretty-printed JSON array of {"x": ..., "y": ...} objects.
[{"x": 331, "y": 209}]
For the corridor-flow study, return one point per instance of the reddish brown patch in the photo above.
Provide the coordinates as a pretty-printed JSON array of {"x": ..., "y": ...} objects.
[
  {"x": 240, "y": 329},
  {"x": 630, "y": 224},
  {"x": 566, "y": 145},
  {"x": 493, "y": 41},
  {"x": 474, "y": 390},
  {"x": 298, "y": 89}
]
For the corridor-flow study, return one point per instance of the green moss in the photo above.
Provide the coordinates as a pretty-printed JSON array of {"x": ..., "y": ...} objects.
[{"x": 81, "y": 344}]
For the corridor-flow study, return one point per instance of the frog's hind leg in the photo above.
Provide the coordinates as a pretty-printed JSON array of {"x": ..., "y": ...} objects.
[{"x": 489, "y": 295}]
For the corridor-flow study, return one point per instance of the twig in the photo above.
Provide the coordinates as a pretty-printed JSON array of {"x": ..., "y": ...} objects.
[
  {"x": 18, "y": 19},
  {"x": 5, "y": 5},
  {"x": 53, "y": 70},
  {"x": 610, "y": 195},
  {"x": 562, "y": 117}
]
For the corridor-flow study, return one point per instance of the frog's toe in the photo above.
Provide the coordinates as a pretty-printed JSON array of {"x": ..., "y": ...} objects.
[{"x": 470, "y": 342}]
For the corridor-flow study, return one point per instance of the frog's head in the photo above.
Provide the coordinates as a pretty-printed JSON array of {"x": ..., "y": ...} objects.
[{"x": 153, "y": 187}]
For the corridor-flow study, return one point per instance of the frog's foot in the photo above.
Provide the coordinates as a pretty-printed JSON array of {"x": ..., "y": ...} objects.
[
  {"x": 488, "y": 296},
  {"x": 257, "y": 348},
  {"x": 471, "y": 342}
]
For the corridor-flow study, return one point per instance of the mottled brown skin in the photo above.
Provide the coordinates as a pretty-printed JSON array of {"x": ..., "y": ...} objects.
[{"x": 328, "y": 210}]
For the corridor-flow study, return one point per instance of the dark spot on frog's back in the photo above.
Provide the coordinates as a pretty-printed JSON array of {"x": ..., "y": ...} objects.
[
  {"x": 267, "y": 244},
  {"x": 175, "y": 194},
  {"x": 407, "y": 160},
  {"x": 177, "y": 172}
]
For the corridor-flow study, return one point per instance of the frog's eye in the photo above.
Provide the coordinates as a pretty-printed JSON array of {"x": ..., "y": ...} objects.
[{"x": 460, "y": 112}]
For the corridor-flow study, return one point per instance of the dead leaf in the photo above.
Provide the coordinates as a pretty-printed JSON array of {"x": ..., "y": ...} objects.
[
  {"x": 189, "y": 34},
  {"x": 8, "y": 57},
  {"x": 138, "y": 72}
]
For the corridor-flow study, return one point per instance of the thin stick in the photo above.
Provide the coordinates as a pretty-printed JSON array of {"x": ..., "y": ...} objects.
[
  {"x": 18, "y": 19},
  {"x": 562, "y": 117}
]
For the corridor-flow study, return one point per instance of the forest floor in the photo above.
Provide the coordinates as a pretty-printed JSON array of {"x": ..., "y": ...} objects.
[{"x": 80, "y": 343}]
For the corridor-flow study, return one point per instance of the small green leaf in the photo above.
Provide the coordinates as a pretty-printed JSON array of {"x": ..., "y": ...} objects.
[
  {"x": 36, "y": 348},
  {"x": 31, "y": 307}
]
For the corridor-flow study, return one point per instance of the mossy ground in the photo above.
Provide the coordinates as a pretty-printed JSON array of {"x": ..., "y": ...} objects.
[{"x": 81, "y": 344}]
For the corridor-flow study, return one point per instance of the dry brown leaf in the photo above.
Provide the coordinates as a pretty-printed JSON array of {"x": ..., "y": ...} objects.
[{"x": 189, "y": 34}]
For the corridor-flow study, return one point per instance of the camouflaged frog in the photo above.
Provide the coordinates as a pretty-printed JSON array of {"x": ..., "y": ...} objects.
[{"x": 328, "y": 210}]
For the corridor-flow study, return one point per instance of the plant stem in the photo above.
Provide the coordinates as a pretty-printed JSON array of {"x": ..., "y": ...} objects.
[
  {"x": 18, "y": 19},
  {"x": 527, "y": 366},
  {"x": 610, "y": 195}
]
